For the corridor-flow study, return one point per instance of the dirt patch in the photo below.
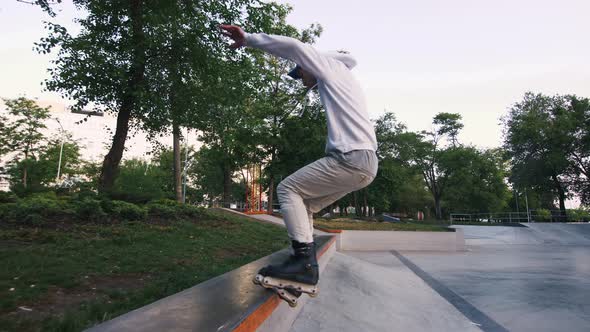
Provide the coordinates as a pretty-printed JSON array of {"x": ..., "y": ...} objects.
[
  {"x": 227, "y": 253},
  {"x": 58, "y": 300}
]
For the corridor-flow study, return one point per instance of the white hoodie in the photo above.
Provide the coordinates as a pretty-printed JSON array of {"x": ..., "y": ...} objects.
[{"x": 349, "y": 127}]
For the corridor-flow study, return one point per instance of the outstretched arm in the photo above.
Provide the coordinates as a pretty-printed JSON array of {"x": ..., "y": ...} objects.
[{"x": 285, "y": 47}]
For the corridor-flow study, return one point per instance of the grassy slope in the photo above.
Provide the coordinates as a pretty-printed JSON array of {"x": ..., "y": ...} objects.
[{"x": 91, "y": 273}]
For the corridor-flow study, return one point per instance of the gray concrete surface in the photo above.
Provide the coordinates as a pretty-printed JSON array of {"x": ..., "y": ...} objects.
[
  {"x": 357, "y": 295},
  {"x": 521, "y": 279},
  {"x": 526, "y": 279},
  {"x": 388, "y": 240},
  {"x": 533, "y": 233}
]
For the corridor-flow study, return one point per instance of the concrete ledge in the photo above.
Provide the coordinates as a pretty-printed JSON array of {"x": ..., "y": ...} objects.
[
  {"x": 396, "y": 240},
  {"x": 230, "y": 302}
]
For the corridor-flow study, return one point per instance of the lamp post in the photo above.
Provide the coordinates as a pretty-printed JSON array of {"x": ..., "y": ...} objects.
[{"x": 61, "y": 150}]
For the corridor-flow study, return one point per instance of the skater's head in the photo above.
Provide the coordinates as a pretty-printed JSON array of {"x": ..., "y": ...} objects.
[
  {"x": 309, "y": 81},
  {"x": 299, "y": 73}
]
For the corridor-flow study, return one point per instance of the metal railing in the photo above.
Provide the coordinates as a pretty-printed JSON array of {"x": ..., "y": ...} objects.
[{"x": 517, "y": 217}]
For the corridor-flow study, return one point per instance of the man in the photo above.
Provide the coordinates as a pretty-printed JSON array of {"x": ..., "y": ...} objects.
[{"x": 350, "y": 163}]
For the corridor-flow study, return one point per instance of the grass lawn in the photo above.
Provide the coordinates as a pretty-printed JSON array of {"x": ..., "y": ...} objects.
[
  {"x": 70, "y": 278},
  {"x": 351, "y": 224}
]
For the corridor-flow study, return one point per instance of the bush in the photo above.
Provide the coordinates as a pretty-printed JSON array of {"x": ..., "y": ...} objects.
[
  {"x": 192, "y": 211},
  {"x": 90, "y": 209},
  {"x": 8, "y": 197},
  {"x": 162, "y": 210},
  {"x": 37, "y": 207},
  {"x": 50, "y": 195},
  {"x": 167, "y": 202},
  {"x": 542, "y": 215},
  {"x": 139, "y": 183},
  {"x": 7, "y": 211},
  {"x": 127, "y": 211},
  {"x": 578, "y": 215},
  {"x": 168, "y": 208}
]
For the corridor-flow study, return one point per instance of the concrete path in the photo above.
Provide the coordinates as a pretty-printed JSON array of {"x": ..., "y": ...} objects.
[
  {"x": 383, "y": 295},
  {"x": 522, "y": 279}
]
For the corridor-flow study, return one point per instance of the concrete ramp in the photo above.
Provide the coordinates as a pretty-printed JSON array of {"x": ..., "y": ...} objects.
[
  {"x": 356, "y": 295},
  {"x": 533, "y": 233},
  {"x": 482, "y": 235},
  {"x": 563, "y": 234}
]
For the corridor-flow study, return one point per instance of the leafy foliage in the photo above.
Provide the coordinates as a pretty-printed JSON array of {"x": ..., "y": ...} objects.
[
  {"x": 140, "y": 182},
  {"x": 546, "y": 138},
  {"x": 127, "y": 211}
]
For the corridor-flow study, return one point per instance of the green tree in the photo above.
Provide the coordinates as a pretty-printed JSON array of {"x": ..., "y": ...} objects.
[
  {"x": 23, "y": 132},
  {"x": 398, "y": 186},
  {"x": 475, "y": 181},
  {"x": 140, "y": 182},
  {"x": 4, "y": 135},
  {"x": 448, "y": 125},
  {"x": 44, "y": 4},
  {"x": 427, "y": 149},
  {"x": 117, "y": 61},
  {"x": 207, "y": 173},
  {"x": 163, "y": 159},
  {"x": 42, "y": 168},
  {"x": 579, "y": 110},
  {"x": 538, "y": 139}
]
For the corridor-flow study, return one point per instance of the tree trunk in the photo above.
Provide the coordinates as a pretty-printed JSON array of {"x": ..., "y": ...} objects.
[
  {"x": 271, "y": 190},
  {"x": 110, "y": 164},
  {"x": 561, "y": 196},
  {"x": 357, "y": 210},
  {"x": 365, "y": 207},
  {"x": 177, "y": 162},
  {"x": 25, "y": 169},
  {"x": 226, "y": 186},
  {"x": 437, "y": 207}
]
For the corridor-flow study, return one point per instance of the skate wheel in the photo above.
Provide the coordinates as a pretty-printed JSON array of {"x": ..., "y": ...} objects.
[
  {"x": 312, "y": 294},
  {"x": 257, "y": 280},
  {"x": 292, "y": 305}
]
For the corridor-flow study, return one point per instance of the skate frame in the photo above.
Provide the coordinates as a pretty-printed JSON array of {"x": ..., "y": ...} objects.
[
  {"x": 311, "y": 290},
  {"x": 288, "y": 290}
]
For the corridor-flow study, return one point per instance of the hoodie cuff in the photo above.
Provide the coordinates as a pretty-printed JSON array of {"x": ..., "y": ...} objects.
[{"x": 250, "y": 38}]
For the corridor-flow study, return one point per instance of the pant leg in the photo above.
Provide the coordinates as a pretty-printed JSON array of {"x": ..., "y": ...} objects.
[
  {"x": 312, "y": 188},
  {"x": 317, "y": 204}
]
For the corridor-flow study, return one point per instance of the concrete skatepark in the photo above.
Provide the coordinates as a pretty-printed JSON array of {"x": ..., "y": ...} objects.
[{"x": 532, "y": 278}]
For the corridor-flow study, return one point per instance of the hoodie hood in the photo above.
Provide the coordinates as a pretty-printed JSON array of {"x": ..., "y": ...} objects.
[{"x": 347, "y": 59}]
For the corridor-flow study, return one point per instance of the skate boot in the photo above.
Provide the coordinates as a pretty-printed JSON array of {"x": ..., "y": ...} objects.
[{"x": 298, "y": 274}]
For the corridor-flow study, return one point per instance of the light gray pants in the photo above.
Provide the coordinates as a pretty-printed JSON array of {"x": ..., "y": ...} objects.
[{"x": 320, "y": 184}]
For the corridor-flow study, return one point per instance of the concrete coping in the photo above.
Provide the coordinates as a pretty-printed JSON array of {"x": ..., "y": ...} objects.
[
  {"x": 229, "y": 302},
  {"x": 378, "y": 240}
]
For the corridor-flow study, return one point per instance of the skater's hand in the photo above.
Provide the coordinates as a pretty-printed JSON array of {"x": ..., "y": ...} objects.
[{"x": 236, "y": 33}]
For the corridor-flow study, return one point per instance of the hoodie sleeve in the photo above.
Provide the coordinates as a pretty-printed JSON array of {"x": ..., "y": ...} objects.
[{"x": 290, "y": 48}]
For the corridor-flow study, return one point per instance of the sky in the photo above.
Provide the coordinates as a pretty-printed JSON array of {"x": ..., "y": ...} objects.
[
  {"x": 473, "y": 57},
  {"x": 415, "y": 58}
]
